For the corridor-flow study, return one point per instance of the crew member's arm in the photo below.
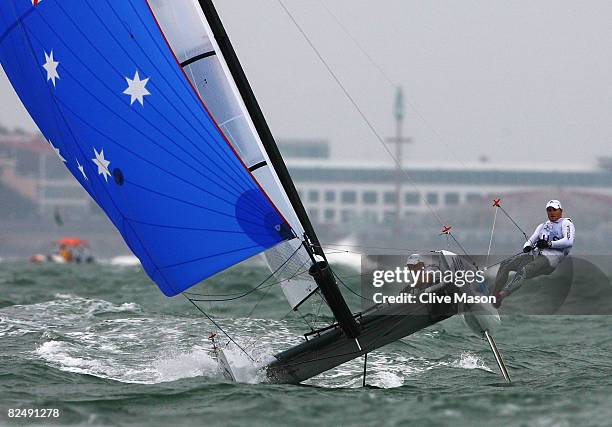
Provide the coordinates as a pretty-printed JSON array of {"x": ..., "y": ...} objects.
[
  {"x": 531, "y": 242},
  {"x": 568, "y": 236}
]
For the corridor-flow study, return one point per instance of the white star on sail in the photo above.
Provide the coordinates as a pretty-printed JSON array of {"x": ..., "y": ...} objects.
[
  {"x": 81, "y": 169},
  {"x": 102, "y": 164},
  {"x": 57, "y": 151},
  {"x": 136, "y": 89},
  {"x": 50, "y": 66}
]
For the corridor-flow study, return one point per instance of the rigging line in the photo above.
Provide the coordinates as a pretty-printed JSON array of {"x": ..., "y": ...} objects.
[
  {"x": 514, "y": 222},
  {"x": 254, "y": 340},
  {"x": 262, "y": 297},
  {"x": 305, "y": 320},
  {"x": 220, "y": 328},
  {"x": 239, "y": 293},
  {"x": 499, "y": 262},
  {"x": 286, "y": 315},
  {"x": 171, "y": 140},
  {"x": 463, "y": 249},
  {"x": 321, "y": 300},
  {"x": 350, "y": 290},
  {"x": 492, "y": 231},
  {"x": 263, "y": 294},
  {"x": 359, "y": 46},
  {"x": 368, "y": 123},
  {"x": 393, "y": 84},
  {"x": 258, "y": 286},
  {"x": 370, "y": 247},
  {"x": 333, "y": 251},
  {"x": 356, "y": 106}
]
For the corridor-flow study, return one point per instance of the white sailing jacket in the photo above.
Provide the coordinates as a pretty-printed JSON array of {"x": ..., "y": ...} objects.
[{"x": 560, "y": 233}]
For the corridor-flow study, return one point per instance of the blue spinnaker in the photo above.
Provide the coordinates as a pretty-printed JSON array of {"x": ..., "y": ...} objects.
[{"x": 101, "y": 83}]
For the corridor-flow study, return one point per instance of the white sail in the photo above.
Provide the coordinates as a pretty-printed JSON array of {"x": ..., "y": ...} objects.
[{"x": 191, "y": 38}]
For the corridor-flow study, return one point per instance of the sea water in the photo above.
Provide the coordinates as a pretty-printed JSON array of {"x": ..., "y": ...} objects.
[{"x": 102, "y": 345}]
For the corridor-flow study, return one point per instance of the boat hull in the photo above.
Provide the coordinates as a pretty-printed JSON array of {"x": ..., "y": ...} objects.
[{"x": 382, "y": 325}]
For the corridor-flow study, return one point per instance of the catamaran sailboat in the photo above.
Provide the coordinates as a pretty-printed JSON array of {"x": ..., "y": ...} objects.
[{"x": 146, "y": 104}]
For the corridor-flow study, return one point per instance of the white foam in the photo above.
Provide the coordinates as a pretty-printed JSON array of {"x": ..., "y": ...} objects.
[
  {"x": 387, "y": 380},
  {"x": 70, "y": 358},
  {"x": 186, "y": 365},
  {"x": 89, "y": 307},
  {"x": 244, "y": 369},
  {"x": 124, "y": 261},
  {"x": 469, "y": 361},
  {"x": 57, "y": 352}
]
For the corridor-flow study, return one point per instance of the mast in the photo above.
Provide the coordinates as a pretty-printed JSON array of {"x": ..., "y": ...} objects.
[{"x": 320, "y": 270}]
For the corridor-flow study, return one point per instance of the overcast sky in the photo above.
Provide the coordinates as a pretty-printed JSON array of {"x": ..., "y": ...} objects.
[{"x": 512, "y": 80}]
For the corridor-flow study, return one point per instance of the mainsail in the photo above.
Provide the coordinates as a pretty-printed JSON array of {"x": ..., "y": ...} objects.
[
  {"x": 148, "y": 107},
  {"x": 191, "y": 37},
  {"x": 102, "y": 84}
]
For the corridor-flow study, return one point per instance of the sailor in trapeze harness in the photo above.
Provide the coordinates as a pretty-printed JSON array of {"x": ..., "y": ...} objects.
[{"x": 542, "y": 252}]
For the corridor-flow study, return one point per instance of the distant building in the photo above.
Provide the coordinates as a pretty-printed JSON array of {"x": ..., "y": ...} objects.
[
  {"x": 334, "y": 193},
  {"x": 30, "y": 167},
  {"x": 350, "y": 192}
]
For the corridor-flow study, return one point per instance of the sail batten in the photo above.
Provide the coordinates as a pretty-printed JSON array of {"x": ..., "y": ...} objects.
[{"x": 197, "y": 58}]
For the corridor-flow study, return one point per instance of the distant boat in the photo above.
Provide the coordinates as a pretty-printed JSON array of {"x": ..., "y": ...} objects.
[
  {"x": 147, "y": 105},
  {"x": 67, "y": 250}
]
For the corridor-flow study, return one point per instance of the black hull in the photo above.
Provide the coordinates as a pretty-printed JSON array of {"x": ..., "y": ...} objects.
[{"x": 380, "y": 326}]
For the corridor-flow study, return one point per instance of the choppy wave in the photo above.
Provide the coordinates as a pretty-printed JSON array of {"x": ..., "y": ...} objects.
[
  {"x": 94, "y": 330},
  {"x": 77, "y": 335},
  {"x": 107, "y": 363}
]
